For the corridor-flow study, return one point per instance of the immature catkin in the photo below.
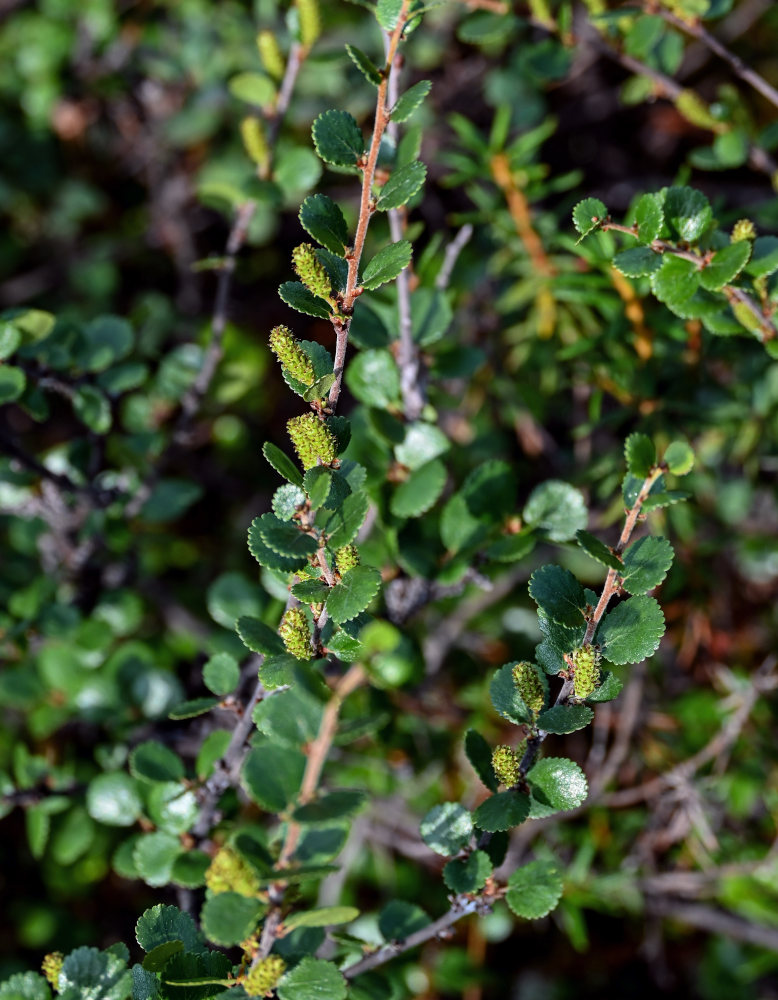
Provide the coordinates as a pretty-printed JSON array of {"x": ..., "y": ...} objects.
[
  {"x": 252, "y": 132},
  {"x": 744, "y": 229},
  {"x": 51, "y": 966},
  {"x": 310, "y": 270},
  {"x": 586, "y": 670},
  {"x": 529, "y": 686},
  {"x": 296, "y": 633},
  {"x": 288, "y": 351},
  {"x": 310, "y": 21},
  {"x": 229, "y": 872},
  {"x": 346, "y": 558},
  {"x": 263, "y": 978},
  {"x": 506, "y": 764},
  {"x": 271, "y": 55},
  {"x": 313, "y": 441}
]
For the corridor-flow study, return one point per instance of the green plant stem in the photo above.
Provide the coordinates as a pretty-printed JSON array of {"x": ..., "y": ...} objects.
[{"x": 342, "y": 324}]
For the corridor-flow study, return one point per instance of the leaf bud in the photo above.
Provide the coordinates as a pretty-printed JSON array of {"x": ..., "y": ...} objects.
[
  {"x": 506, "y": 764},
  {"x": 310, "y": 270},
  {"x": 271, "y": 55},
  {"x": 346, "y": 558},
  {"x": 51, "y": 966},
  {"x": 296, "y": 633},
  {"x": 288, "y": 351},
  {"x": 262, "y": 979},
  {"x": 586, "y": 670},
  {"x": 313, "y": 441},
  {"x": 310, "y": 21},
  {"x": 252, "y": 132},
  {"x": 229, "y": 872},
  {"x": 744, "y": 229},
  {"x": 529, "y": 686}
]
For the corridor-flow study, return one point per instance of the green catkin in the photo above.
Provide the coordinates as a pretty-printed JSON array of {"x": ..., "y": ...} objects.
[
  {"x": 310, "y": 270},
  {"x": 271, "y": 55},
  {"x": 229, "y": 872},
  {"x": 252, "y": 132},
  {"x": 263, "y": 978},
  {"x": 288, "y": 351},
  {"x": 346, "y": 558},
  {"x": 506, "y": 764},
  {"x": 313, "y": 441},
  {"x": 310, "y": 21},
  {"x": 586, "y": 670},
  {"x": 744, "y": 229},
  {"x": 529, "y": 686},
  {"x": 296, "y": 633},
  {"x": 51, "y": 966}
]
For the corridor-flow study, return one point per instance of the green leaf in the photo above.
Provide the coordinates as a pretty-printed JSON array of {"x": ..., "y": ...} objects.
[
  {"x": 189, "y": 869},
  {"x": 422, "y": 443},
  {"x": 322, "y": 219},
  {"x": 311, "y": 591},
  {"x": 557, "y": 784},
  {"x": 312, "y": 979},
  {"x": 253, "y": 88},
  {"x": 10, "y": 339},
  {"x": 198, "y": 972},
  {"x": 646, "y": 564},
  {"x": 364, "y": 64},
  {"x": 90, "y": 974},
  {"x": 726, "y": 265},
  {"x": 401, "y": 186},
  {"x": 356, "y": 590},
  {"x": 479, "y": 753},
  {"x": 25, "y": 986},
  {"x": 447, "y": 828},
  {"x": 505, "y": 697},
  {"x": 153, "y": 761},
  {"x": 420, "y": 491},
  {"x": 227, "y": 918},
  {"x": 502, "y": 811},
  {"x": 172, "y": 807},
  {"x": 637, "y": 261},
  {"x": 598, "y": 550},
  {"x": 320, "y": 388},
  {"x": 283, "y": 465},
  {"x": 193, "y": 707},
  {"x": 764, "y": 256},
  {"x": 675, "y": 282},
  {"x": 534, "y": 889},
  {"x": 276, "y": 671},
  {"x": 562, "y": 719},
  {"x": 158, "y": 957},
  {"x": 387, "y": 13},
  {"x": 658, "y": 500},
  {"x": 272, "y": 775},
  {"x": 609, "y": 688},
  {"x": 91, "y": 407},
  {"x": 106, "y": 340},
  {"x": 687, "y": 212},
  {"x": 12, "y": 383},
  {"x": 559, "y": 595},
  {"x": 296, "y": 295},
  {"x": 374, "y": 379},
  {"x": 286, "y": 537},
  {"x": 431, "y": 316},
  {"x": 344, "y": 523},
  {"x": 221, "y": 674},
  {"x": 162, "y": 923},
  {"x": 286, "y": 501},
  {"x": 169, "y": 499},
  {"x": 511, "y": 548},
  {"x": 154, "y": 855},
  {"x": 264, "y": 554},
  {"x": 632, "y": 631},
  {"x": 325, "y": 916},
  {"x": 399, "y": 919},
  {"x": 588, "y": 215},
  {"x": 332, "y": 805},
  {"x": 468, "y": 874},
  {"x": 410, "y": 100},
  {"x": 649, "y": 217},
  {"x": 640, "y": 455},
  {"x": 232, "y": 595},
  {"x": 557, "y": 509},
  {"x": 316, "y": 483},
  {"x": 338, "y": 138},
  {"x": 113, "y": 799},
  {"x": 679, "y": 458},
  {"x": 145, "y": 985},
  {"x": 387, "y": 264}
]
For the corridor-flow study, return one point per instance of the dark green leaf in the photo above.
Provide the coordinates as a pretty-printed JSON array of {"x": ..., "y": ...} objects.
[
  {"x": 764, "y": 256},
  {"x": 646, "y": 564},
  {"x": 169, "y": 499},
  {"x": 557, "y": 784},
  {"x": 506, "y": 699},
  {"x": 420, "y": 491},
  {"x": 283, "y": 465},
  {"x": 410, "y": 100},
  {"x": 387, "y": 13},
  {"x": 556, "y": 508},
  {"x": 322, "y": 219},
  {"x": 286, "y": 537},
  {"x": 12, "y": 383},
  {"x": 311, "y": 591},
  {"x": 637, "y": 261},
  {"x": 10, "y": 339},
  {"x": 401, "y": 186},
  {"x": 90, "y": 405},
  {"x": 374, "y": 379},
  {"x": 387, "y": 264},
  {"x": 502, "y": 811},
  {"x": 153, "y": 761},
  {"x": 469, "y": 874},
  {"x": 343, "y": 525},
  {"x": 640, "y": 455},
  {"x": 726, "y": 265},
  {"x": 479, "y": 753},
  {"x": 258, "y": 637},
  {"x": 597, "y": 550},
  {"x": 534, "y": 889},
  {"x": 399, "y": 919},
  {"x": 447, "y": 828},
  {"x": 356, "y": 590},
  {"x": 688, "y": 212},
  {"x": 588, "y": 215},
  {"x": 312, "y": 979},
  {"x": 193, "y": 707},
  {"x": 561, "y": 719},
  {"x": 296, "y": 295},
  {"x": 558, "y": 594},
  {"x": 161, "y": 924},
  {"x": 106, "y": 340},
  {"x": 632, "y": 631},
  {"x": 675, "y": 282},
  {"x": 338, "y": 138},
  {"x": 227, "y": 918},
  {"x": 272, "y": 775},
  {"x": 666, "y": 499},
  {"x": 87, "y": 972},
  {"x": 649, "y": 218},
  {"x": 511, "y": 548},
  {"x": 158, "y": 957},
  {"x": 364, "y": 64},
  {"x": 316, "y": 483},
  {"x": 610, "y": 687},
  {"x": 329, "y": 806},
  {"x": 221, "y": 674}
]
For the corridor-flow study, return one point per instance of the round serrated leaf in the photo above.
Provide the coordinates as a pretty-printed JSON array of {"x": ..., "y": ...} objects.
[
  {"x": 322, "y": 219},
  {"x": 558, "y": 784},
  {"x": 559, "y": 595},
  {"x": 286, "y": 501},
  {"x": 561, "y": 719},
  {"x": 92, "y": 407},
  {"x": 338, "y": 138},
  {"x": 764, "y": 256},
  {"x": 283, "y": 465},
  {"x": 286, "y": 538},
  {"x": 646, "y": 564},
  {"x": 468, "y": 874},
  {"x": 632, "y": 631},
  {"x": 534, "y": 889},
  {"x": 401, "y": 186},
  {"x": 113, "y": 799},
  {"x": 161, "y": 924},
  {"x": 479, "y": 753},
  {"x": 676, "y": 281},
  {"x": 679, "y": 458},
  {"x": 637, "y": 261},
  {"x": 227, "y": 918},
  {"x": 687, "y": 211},
  {"x": 640, "y": 455},
  {"x": 258, "y": 637},
  {"x": 610, "y": 687},
  {"x": 410, "y": 100},
  {"x": 272, "y": 775},
  {"x": 12, "y": 383},
  {"x": 87, "y": 973},
  {"x": 296, "y": 295},
  {"x": 152, "y": 761},
  {"x": 398, "y": 919},
  {"x": 421, "y": 444},
  {"x": 172, "y": 807},
  {"x": 502, "y": 811},
  {"x": 193, "y": 707},
  {"x": 154, "y": 855},
  {"x": 373, "y": 378},
  {"x": 189, "y": 869},
  {"x": 588, "y": 215},
  {"x": 649, "y": 218},
  {"x": 264, "y": 553},
  {"x": 221, "y": 674},
  {"x": 312, "y": 979},
  {"x": 353, "y": 594},
  {"x": 420, "y": 491},
  {"x": 387, "y": 264},
  {"x": 597, "y": 550},
  {"x": 557, "y": 508},
  {"x": 505, "y": 696},
  {"x": 447, "y": 828},
  {"x": 725, "y": 265}
]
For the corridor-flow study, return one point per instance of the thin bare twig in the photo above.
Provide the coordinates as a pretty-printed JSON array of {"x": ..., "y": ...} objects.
[
  {"x": 450, "y": 257},
  {"x": 717, "y": 922}
]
